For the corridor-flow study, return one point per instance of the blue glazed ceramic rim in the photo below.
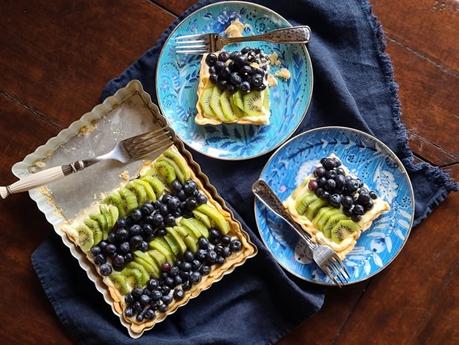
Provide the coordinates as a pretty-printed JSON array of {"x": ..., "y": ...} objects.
[
  {"x": 393, "y": 156},
  {"x": 308, "y": 62}
]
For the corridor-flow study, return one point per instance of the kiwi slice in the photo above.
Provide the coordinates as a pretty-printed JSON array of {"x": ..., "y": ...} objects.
[
  {"x": 166, "y": 170},
  {"x": 98, "y": 217},
  {"x": 342, "y": 229},
  {"x": 188, "y": 237},
  {"x": 266, "y": 101},
  {"x": 178, "y": 239},
  {"x": 157, "y": 256},
  {"x": 161, "y": 246},
  {"x": 218, "y": 219},
  {"x": 225, "y": 103},
  {"x": 105, "y": 211},
  {"x": 195, "y": 226},
  {"x": 151, "y": 196},
  {"x": 95, "y": 228},
  {"x": 215, "y": 103},
  {"x": 188, "y": 226},
  {"x": 302, "y": 202},
  {"x": 115, "y": 200},
  {"x": 155, "y": 183},
  {"x": 130, "y": 199},
  {"x": 144, "y": 274},
  {"x": 323, "y": 215},
  {"x": 204, "y": 101},
  {"x": 180, "y": 161},
  {"x": 147, "y": 262},
  {"x": 172, "y": 244},
  {"x": 314, "y": 207},
  {"x": 114, "y": 212},
  {"x": 237, "y": 101},
  {"x": 178, "y": 172},
  {"x": 253, "y": 103},
  {"x": 135, "y": 275},
  {"x": 331, "y": 222},
  {"x": 120, "y": 283},
  {"x": 85, "y": 237},
  {"x": 202, "y": 218},
  {"x": 139, "y": 191}
]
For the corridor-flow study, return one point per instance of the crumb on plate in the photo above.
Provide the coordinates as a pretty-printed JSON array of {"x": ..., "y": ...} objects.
[
  {"x": 235, "y": 29},
  {"x": 283, "y": 73}
]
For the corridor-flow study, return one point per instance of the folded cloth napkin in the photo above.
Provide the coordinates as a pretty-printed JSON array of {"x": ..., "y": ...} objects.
[{"x": 259, "y": 303}]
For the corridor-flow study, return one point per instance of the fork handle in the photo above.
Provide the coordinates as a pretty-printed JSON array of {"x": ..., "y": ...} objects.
[
  {"x": 296, "y": 34},
  {"x": 44, "y": 177}
]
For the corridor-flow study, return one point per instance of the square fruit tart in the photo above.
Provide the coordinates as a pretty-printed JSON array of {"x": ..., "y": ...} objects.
[
  {"x": 334, "y": 207},
  {"x": 158, "y": 240},
  {"x": 234, "y": 88}
]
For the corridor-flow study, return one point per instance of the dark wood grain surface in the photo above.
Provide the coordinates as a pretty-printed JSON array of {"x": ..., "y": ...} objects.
[{"x": 55, "y": 57}]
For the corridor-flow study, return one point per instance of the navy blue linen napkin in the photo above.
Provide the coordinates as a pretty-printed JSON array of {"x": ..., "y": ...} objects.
[{"x": 259, "y": 303}]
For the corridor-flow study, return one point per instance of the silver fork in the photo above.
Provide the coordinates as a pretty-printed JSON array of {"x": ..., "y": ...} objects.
[
  {"x": 327, "y": 260},
  {"x": 125, "y": 151},
  {"x": 212, "y": 42}
]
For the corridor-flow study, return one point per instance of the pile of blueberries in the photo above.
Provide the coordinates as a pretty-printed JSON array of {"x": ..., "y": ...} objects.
[
  {"x": 333, "y": 185},
  {"x": 232, "y": 71},
  {"x": 144, "y": 224},
  {"x": 177, "y": 279}
]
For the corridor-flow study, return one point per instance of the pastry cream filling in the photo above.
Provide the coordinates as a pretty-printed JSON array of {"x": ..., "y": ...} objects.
[{"x": 346, "y": 245}]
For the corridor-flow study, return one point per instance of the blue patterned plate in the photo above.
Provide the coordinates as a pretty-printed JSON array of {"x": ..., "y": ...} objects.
[
  {"x": 375, "y": 164},
  {"x": 177, "y": 80}
]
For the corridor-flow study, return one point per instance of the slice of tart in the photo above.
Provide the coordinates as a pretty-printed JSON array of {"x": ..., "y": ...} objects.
[
  {"x": 334, "y": 207},
  {"x": 233, "y": 88},
  {"x": 157, "y": 239}
]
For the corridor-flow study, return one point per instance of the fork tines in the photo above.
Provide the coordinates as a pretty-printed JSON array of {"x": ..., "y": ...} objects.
[
  {"x": 337, "y": 271},
  {"x": 157, "y": 140},
  {"x": 192, "y": 44}
]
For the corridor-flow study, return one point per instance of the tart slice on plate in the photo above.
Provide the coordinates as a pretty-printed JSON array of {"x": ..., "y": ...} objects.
[
  {"x": 158, "y": 240},
  {"x": 334, "y": 206}
]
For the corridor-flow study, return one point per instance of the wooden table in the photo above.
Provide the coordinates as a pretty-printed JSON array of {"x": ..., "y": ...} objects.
[{"x": 55, "y": 57}]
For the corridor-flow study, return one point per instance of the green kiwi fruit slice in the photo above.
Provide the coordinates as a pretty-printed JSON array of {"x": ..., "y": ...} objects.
[
  {"x": 147, "y": 262},
  {"x": 219, "y": 221},
  {"x": 161, "y": 246},
  {"x": 195, "y": 226},
  {"x": 144, "y": 274},
  {"x": 120, "y": 283},
  {"x": 185, "y": 223},
  {"x": 266, "y": 101},
  {"x": 237, "y": 101},
  {"x": 139, "y": 191},
  {"x": 202, "y": 218},
  {"x": 331, "y": 222},
  {"x": 180, "y": 161},
  {"x": 98, "y": 217},
  {"x": 157, "y": 185},
  {"x": 166, "y": 170},
  {"x": 188, "y": 237},
  {"x": 105, "y": 211},
  {"x": 342, "y": 229},
  {"x": 253, "y": 103},
  {"x": 302, "y": 202},
  {"x": 114, "y": 212},
  {"x": 323, "y": 213},
  {"x": 204, "y": 101},
  {"x": 115, "y": 200},
  {"x": 172, "y": 244},
  {"x": 135, "y": 275},
  {"x": 96, "y": 230},
  {"x": 151, "y": 196},
  {"x": 215, "y": 103},
  {"x": 225, "y": 103},
  {"x": 159, "y": 257},
  {"x": 178, "y": 240},
  {"x": 85, "y": 237},
  {"x": 314, "y": 207},
  {"x": 178, "y": 172},
  {"x": 130, "y": 199}
]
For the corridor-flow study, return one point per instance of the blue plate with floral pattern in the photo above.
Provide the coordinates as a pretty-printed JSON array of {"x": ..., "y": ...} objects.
[
  {"x": 177, "y": 80},
  {"x": 366, "y": 157}
]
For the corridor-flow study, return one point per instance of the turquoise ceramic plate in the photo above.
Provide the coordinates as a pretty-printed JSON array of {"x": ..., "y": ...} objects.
[
  {"x": 375, "y": 164},
  {"x": 177, "y": 80}
]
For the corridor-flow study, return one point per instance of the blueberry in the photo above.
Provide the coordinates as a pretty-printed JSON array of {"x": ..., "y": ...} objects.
[
  {"x": 163, "y": 210},
  {"x": 331, "y": 174},
  {"x": 157, "y": 219},
  {"x": 340, "y": 171},
  {"x": 195, "y": 277},
  {"x": 234, "y": 55},
  {"x": 218, "y": 249},
  {"x": 152, "y": 284},
  {"x": 162, "y": 308},
  {"x": 95, "y": 250},
  {"x": 128, "y": 257},
  {"x": 211, "y": 59},
  {"x": 100, "y": 259},
  {"x": 312, "y": 185},
  {"x": 220, "y": 260},
  {"x": 169, "y": 281},
  {"x": 335, "y": 200},
  {"x": 240, "y": 60},
  {"x": 147, "y": 209},
  {"x": 244, "y": 86},
  {"x": 165, "y": 290},
  {"x": 111, "y": 237},
  {"x": 205, "y": 270},
  {"x": 139, "y": 317},
  {"x": 174, "y": 271},
  {"x": 201, "y": 254},
  {"x": 201, "y": 199},
  {"x": 246, "y": 69},
  {"x": 195, "y": 265},
  {"x": 358, "y": 210},
  {"x": 169, "y": 220},
  {"x": 320, "y": 192},
  {"x": 214, "y": 235},
  {"x": 321, "y": 181},
  {"x": 235, "y": 245},
  {"x": 328, "y": 163},
  {"x": 256, "y": 80},
  {"x": 373, "y": 195},
  {"x": 213, "y": 78},
  {"x": 143, "y": 246},
  {"x": 226, "y": 252},
  {"x": 212, "y": 70},
  {"x": 137, "y": 292},
  {"x": 144, "y": 300},
  {"x": 339, "y": 179},
  {"x": 110, "y": 249},
  {"x": 118, "y": 260},
  {"x": 337, "y": 162},
  {"x": 325, "y": 195},
  {"x": 190, "y": 187},
  {"x": 225, "y": 73},
  {"x": 135, "y": 230},
  {"x": 166, "y": 299},
  {"x": 162, "y": 232},
  {"x": 129, "y": 312},
  {"x": 184, "y": 275},
  {"x": 135, "y": 242},
  {"x": 136, "y": 215},
  {"x": 137, "y": 306},
  {"x": 147, "y": 230},
  {"x": 185, "y": 266},
  {"x": 351, "y": 186},
  {"x": 186, "y": 285},
  {"x": 235, "y": 78},
  {"x": 178, "y": 280},
  {"x": 219, "y": 65},
  {"x": 230, "y": 88},
  {"x": 178, "y": 294},
  {"x": 176, "y": 185},
  {"x": 149, "y": 314},
  {"x": 356, "y": 217},
  {"x": 260, "y": 87},
  {"x": 347, "y": 202},
  {"x": 102, "y": 244},
  {"x": 191, "y": 203},
  {"x": 245, "y": 50},
  {"x": 203, "y": 243},
  {"x": 348, "y": 211},
  {"x": 129, "y": 299},
  {"x": 121, "y": 235},
  {"x": 156, "y": 295},
  {"x": 121, "y": 223},
  {"x": 105, "y": 269},
  {"x": 364, "y": 199},
  {"x": 165, "y": 267},
  {"x": 188, "y": 256},
  {"x": 223, "y": 56},
  {"x": 368, "y": 205},
  {"x": 225, "y": 240},
  {"x": 211, "y": 257}
]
